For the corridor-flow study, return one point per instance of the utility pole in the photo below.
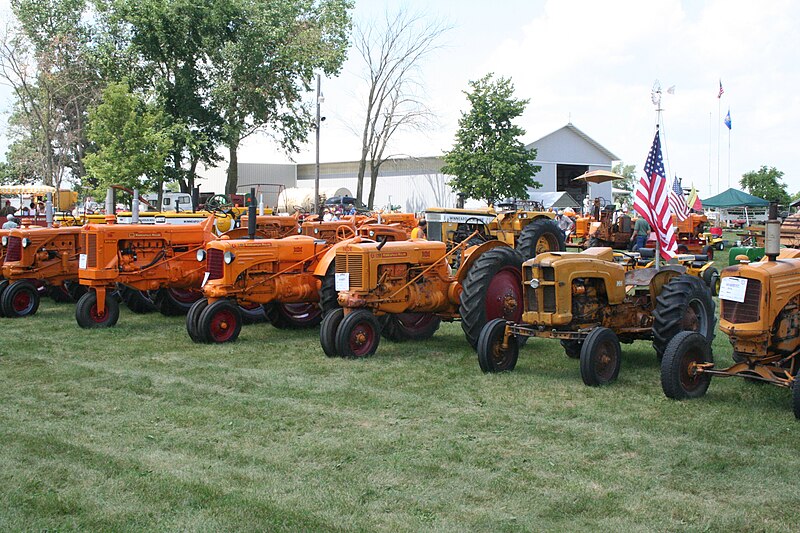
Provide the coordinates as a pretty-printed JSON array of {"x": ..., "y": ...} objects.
[{"x": 316, "y": 175}]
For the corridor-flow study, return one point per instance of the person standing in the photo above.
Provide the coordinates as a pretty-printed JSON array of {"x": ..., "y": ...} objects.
[
  {"x": 11, "y": 222},
  {"x": 641, "y": 230},
  {"x": 419, "y": 231}
]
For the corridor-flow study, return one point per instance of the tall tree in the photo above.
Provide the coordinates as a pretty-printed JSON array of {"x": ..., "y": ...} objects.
[
  {"x": 488, "y": 160},
  {"x": 628, "y": 172},
  {"x": 766, "y": 183},
  {"x": 392, "y": 51}
]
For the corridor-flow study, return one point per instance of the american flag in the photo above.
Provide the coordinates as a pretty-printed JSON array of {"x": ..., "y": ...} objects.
[
  {"x": 721, "y": 90},
  {"x": 651, "y": 200},
  {"x": 677, "y": 202}
]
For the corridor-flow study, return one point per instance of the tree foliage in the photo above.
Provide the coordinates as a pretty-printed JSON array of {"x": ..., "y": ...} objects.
[
  {"x": 766, "y": 183},
  {"x": 629, "y": 173},
  {"x": 488, "y": 160}
]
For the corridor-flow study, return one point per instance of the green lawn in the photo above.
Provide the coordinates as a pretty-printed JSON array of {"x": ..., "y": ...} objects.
[{"x": 136, "y": 428}]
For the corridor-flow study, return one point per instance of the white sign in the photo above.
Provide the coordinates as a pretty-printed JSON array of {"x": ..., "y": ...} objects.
[
  {"x": 205, "y": 279},
  {"x": 732, "y": 289},
  {"x": 343, "y": 281},
  {"x": 82, "y": 261}
]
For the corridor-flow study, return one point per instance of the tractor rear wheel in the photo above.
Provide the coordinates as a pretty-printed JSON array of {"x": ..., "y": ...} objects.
[
  {"x": 708, "y": 251},
  {"x": 175, "y": 302},
  {"x": 711, "y": 277},
  {"x": 540, "y": 236},
  {"x": 678, "y": 378},
  {"x": 252, "y": 313},
  {"x": 293, "y": 315},
  {"x": 20, "y": 299},
  {"x": 491, "y": 289},
  {"x": 137, "y": 301},
  {"x": 86, "y": 311},
  {"x": 76, "y": 290},
  {"x": 600, "y": 357},
  {"x": 414, "y": 326},
  {"x": 572, "y": 348},
  {"x": 796, "y": 398},
  {"x": 685, "y": 304},
  {"x": 358, "y": 334},
  {"x": 3, "y": 287},
  {"x": 59, "y": 294},
  {"x": 220, "y": 322},
  {"x": 683, "y": 249},
  {"x": 492, "y": 357},
  {"x": 327, "y": 331},
  {"x": 328, "y": 295},
  {"x": 193, "y": 319}
]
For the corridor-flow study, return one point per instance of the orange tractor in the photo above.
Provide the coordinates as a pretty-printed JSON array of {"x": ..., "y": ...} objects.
[
  {"x": 291, "y": 277},
  {"x": 403, "y": 290},
  {"x": 691, "y": 235},
  {"x": 38, "y": 260}
]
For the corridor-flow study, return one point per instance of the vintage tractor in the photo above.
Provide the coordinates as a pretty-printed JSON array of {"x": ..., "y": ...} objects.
[
  {"x": 291, "y": 277},
  {"x": 695, "y": 265},
  {"x": 39, "y": 259},
  {"x": 760, "y": 314},
  {"x": 692, "y": 237},
  {"x": 403, "y": 290},
  {"x": 609, "y": 228},
  {"x": 591, "y": 303},
  {"x": 530, "y": 231}
]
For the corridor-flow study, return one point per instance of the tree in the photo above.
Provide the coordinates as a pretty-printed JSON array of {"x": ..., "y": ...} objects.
[
  {"x": 766, "y": 183},
  {"x": 392, "y": 52},
  {"x": 629, "y": 173},
  {"x": 132, "y": 142},
  {"x": 488, "y": 160}
]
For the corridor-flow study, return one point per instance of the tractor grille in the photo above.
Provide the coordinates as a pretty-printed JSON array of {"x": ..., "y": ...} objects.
[
  {"x": 91, "y": 250},
  {"x": 533, "y": 299},
  {"x": 14, "y": 250},
  {"x": 215, "y": 264},
  {"x": 352, "y": 264},
  {"x": 747, "y": 311},
  {"x": 549, "y": 298}
]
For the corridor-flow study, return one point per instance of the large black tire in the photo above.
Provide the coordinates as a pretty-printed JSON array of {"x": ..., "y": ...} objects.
[
  {"x": 293, "y": 316},
  {"x": 572, "y": 348},
  {"x": 86, "y": 311},
  {"x": 491, "y": 289},
  {"x": 796, "y": 398},
  {"x": 3, "y": 287},
  {"x": 20, "y": 299},
  {"x": 137, "y": 301},
  {"x": 455, "y": 261},
  {"x": 685, "y": 304},
  {"x": 601, "y": 357},
  {"x": 193, "y": 319},
  {"x": 711, "y": 277},
  {"x": 491, "y": 355},
  {"x": 327, "y": 331},
  {"x": 328, "y": 295},
  {"x": 540, "y": 236},
  {"x": 220, "y": 322},
  {"x": 409, "y": 326},
  {"x": 677, "y": 381},
  {"x": 60, "y": 294},
  {"x": 708, "y": 251},
  {"x": 252, "y": 314},
  {"x": 175, "y": 302},
  {"x": 76, "y": 290},
  {"x": 358, "y": 335}
]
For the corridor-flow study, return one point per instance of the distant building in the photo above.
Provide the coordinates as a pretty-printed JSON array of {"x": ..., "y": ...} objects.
[{"x": 415, "y": 183}]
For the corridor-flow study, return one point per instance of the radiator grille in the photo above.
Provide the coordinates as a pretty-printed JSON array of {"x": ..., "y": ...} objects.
[
  {"x": 533, "y": 299},
  {"x": 352, "y": 264},
  {"x": 14, "y": 251},
  {"x": 747, "y": 311},
  {"x": 91, "y": 250},
  {"x": 215, "y": 263},
  {"x": 549, "y": 298}
]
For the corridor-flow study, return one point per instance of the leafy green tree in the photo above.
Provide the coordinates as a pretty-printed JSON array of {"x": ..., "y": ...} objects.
[
  {"x": 488, "y": 160},
  {"x": 629, "y": 173},
  {"x": 131, "y": 140},
  {"x": 766, "y": 183}
]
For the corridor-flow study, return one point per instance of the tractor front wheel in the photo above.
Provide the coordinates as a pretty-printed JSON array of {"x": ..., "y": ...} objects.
[
  {"x": 796, "y": 397},
  {"x": 293, "y": 315},
  {"x": 88, "y": 317},
  {"x": 685, "y": 304},
  {"x": 679, "y": 377},
  {"x": 541, "y": 236},
  {"x": 600, "y": 357},
  {"x": 327, "y": 331},
  {"x": 3, "y": 287},
  {"x": 20, "y": 299},
  {"x": 220, "y": 322},
  {"x": 358, "y": 335},
  {"x": 193, "y": 320},
  {"x": 404, "y": 326},
  {"x": 711, "y": 277},
  {"x": 492, "y": 357}
]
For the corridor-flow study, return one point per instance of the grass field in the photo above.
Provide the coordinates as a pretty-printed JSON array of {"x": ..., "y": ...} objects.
[{"x": 136, "y": 428}]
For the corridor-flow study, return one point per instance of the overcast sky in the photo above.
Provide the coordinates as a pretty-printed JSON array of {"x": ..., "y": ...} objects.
[{"x": 595, "y": 63}]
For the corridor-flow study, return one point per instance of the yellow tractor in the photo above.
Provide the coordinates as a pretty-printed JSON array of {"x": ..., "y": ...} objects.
[
  {"x": 591, "y": 303},
  {"x": 760, "y": 314}
]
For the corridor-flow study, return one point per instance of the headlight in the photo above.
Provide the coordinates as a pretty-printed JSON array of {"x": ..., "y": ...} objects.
[
  {"x": 534, "y": 283},
  {"x": 4, "y": 240},
  {"x": 316, "y": 230},
  {"x": 201, "y": 255},
  {"x": 26, "y": 242},
  {"x": 228, "y": 257},
  {"x": 299, "y": 230},
  {"x": 371, "y": 233}
]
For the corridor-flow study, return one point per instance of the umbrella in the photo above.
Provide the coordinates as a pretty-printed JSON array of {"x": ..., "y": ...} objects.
[
  {"x": 599, "y": 176},
  {"x": 26, "y": 189}
]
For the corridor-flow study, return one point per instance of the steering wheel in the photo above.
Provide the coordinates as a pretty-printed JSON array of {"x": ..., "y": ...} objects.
[
  {"x": 218, "y": 201},
  {"x": 344, "y": 232},
  {"x": 478, "y": 222}
]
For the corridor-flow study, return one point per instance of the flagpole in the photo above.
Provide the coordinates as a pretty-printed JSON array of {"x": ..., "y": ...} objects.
[
  {"x": 710, "y": 142},
  {"x": 729, "y": 157},
  {"x": 719, "y": 133}
]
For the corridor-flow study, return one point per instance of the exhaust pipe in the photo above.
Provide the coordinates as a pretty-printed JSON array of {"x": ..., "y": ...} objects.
[
  {"x": 48, "y": 210},
  {"x": 772, "y": 235},
  {"x": 251, "y": 215},
  {"x": 111, "y": 215},
  {"x": 135, "y": 207}
]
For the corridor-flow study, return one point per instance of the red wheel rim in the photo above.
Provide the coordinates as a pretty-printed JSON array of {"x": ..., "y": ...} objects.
[
  {"x": 690, "y": 379},
  {"x": 223, "y": 325},
  {"x": 504, "y": 296},
  {"x": 185, "y": 296},
  {"x": 301, "y": 313},
  {"x": 96, "y": 317},
  {"x": 22, "y": 302},
  {"x": 605, "y": 361},
  {"x": 362, "y": 339}
]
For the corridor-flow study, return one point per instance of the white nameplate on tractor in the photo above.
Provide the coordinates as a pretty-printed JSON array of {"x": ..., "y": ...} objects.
[
  {"x": 343, "y": 281},
  {"x": 205, "y": 278},
  {"x": 82, "y": 261},
  {"x": 732, "y": 289}
]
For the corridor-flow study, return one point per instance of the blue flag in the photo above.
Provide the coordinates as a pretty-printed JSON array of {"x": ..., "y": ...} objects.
[{"x": 728, "y": 119}]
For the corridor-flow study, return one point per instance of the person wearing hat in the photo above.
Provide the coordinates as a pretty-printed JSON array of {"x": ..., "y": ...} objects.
[
  {"x": 419, "y": 231},
  {"x": 11, "y": 222},
  {"x": 565, "y": 223},
  {"x": 327, "y": 216}
]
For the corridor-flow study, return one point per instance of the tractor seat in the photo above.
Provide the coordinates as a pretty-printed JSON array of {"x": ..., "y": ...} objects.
[
  {"x": 600, "y": 252},
  {"x": 701, "y": 257}
]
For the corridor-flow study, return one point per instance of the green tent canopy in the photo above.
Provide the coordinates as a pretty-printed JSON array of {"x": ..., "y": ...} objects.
[{"x": 734, "y": 198}]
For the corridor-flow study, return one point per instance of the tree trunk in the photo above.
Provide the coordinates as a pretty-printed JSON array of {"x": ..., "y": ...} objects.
[
  {"x": 233, "y": 168},
  {"x": 160, "y": 194},
  {"x": 373, "y": 182},
  {"x": 362, "y": 169}
]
